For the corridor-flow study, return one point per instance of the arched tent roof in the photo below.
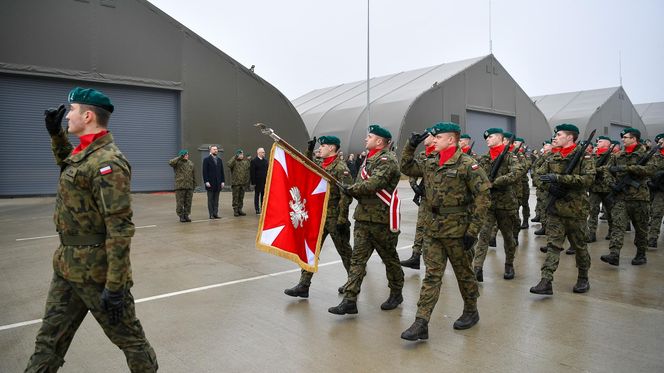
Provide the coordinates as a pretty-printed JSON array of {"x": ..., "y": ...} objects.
[
  {"x": 652, "y": 115},
  {"x": 608, "y": 110},
  {"x": 435, "y": 92}
]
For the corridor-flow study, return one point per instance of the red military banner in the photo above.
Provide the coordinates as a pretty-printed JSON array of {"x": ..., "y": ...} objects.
[{"x": 294, "y": 209}]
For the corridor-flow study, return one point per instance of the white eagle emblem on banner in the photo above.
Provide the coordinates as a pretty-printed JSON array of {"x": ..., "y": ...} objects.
[{"x": 298, "y": 214}]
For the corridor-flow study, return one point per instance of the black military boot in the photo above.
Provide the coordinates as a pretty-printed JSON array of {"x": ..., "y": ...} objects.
[
  {"x": 235, "y": 213},
  {"x": 652, "y": 243},
  {"x": 187, "y": 218},
  {"x": 392, "y": 302},
  {"x": 479, "y": 274},
  {"x": 182, "y": 219},
  {"x": 467, "y": 320},
  {"x": 612, "y": 258},
  {"x": 536, "y": 219},
  {"x": 540, "y": 232},
  {"x": 345, "y": 307},
  {"x": 582, "y": 285},
  {"x": 570, "y": 251},
  {"x": 419, "y": 330},
  {"x": 412, "y": 262},
  {"x": 492, "y": 242},
  {"x": 592, "y": 237},
  {"x": 628, "y": 227},
  {"x": 509, "y": 272},
  {"x": 639, "y": 259},
  {"x": 544, "y": 288},
  {"x": 524, "y": 224},
  {"x": 544, "y": 249},
  {"x": 299, "y": 290},
  {"x": 241, "y": 213}
]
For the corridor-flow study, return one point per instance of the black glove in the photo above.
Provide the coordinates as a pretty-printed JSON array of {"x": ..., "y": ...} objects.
[
  {"x": 311, "y": 144},
  {"x": 616, "y": 188},
  {"x": 557, "y": 190},
  {"x": 468, "y": 241},
  {"x": 417, "y": 138},
  {"x": 615, "y": 169},
  {"x": 53, "y": 119},
  {"x": 112, "y": 302},
  {"x": 549, "y": 178},
  {"x": 416, "y": 188}
]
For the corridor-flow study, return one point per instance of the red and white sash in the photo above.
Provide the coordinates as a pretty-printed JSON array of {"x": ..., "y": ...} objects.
[{"x": 390, "y": 199}]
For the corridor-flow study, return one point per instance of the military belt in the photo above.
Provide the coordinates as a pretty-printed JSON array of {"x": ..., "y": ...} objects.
[
  {"x": 449, "y": 210},
  {"x": 82, "y": 240}
]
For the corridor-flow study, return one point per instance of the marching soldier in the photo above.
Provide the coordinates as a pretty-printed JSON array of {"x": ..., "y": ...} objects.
[
  {"x": 91, "y": 266},
  {"x": 503, "y": 202},
  {"x": 414, "y": 260},
  {"x": 527, "y": 162},
  {"x": 630, "y": 203},
  {"x": 336, "y": 223},
  {"x": 457, "y": 197},
  {"x": 568, "y": 216},
  {"x": 239, "y": 166},
  {"x": 600, "y": 189},
  {"x": 185, "y": 181},
  {"x": 376, "y": 221},
  {"x": 464, "y": 144},
  {"x": 656, "y": 186}
]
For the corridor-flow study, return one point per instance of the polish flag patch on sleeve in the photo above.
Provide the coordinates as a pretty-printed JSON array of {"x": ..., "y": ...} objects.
[
  {"x": 105, "y": 170},
  {"x": 475, "y": 166}
]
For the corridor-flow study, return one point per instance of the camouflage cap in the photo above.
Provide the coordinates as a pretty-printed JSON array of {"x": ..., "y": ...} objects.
[
  {"x": 465, "y": 136},
  {"x": 331, "y": 140},
  {"x": 491, "y": 131},
  {"x": 380, "y": 131},
  {"x": 566, "y": 127},
  {"x": 90, "y": 96},
  {"x": 444, "y": 127},
  {"x": 659, "y": 137},
  {"x": 631, "y": 130},
  {"x": 183, "y": 152},
  {"x": 603, "y": 138}
]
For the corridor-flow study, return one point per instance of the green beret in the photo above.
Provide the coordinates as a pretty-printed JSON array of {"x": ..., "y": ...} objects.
[
  {"x": 546, "y": 142},
  {"x": 89, "y": 96},
  {"x": 566, "y": 127},
  {"x": 444, "y": 127},
  {"x": 465, "y": 136},
  {"x": 603, "y": 138},
  {"x": 519, "y": 139},
  {"x": 183, "y": 152},
  {"x": 507, "y": 134},
  {"x": 491, "y": 131},
  {"x": 331, "y": 140},
  {"x": 615, "y": 142},
  {"x": 631, "y": 130},
  {"x": 239, "y": 151},
  {"x": 658, "y": 137},
  {"x": 380, "y": 131}
]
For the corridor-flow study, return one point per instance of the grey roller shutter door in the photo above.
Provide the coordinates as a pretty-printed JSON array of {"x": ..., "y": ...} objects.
[
  {"x": 478, "y": 122},
  {"x": 144, "y": 126}
]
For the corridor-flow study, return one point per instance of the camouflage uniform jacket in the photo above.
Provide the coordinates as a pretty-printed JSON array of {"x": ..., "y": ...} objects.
[
  {"x": 383, "y": 170},
  {"x": 657, "y": 178},
  {"x": 503, "y": 191},
  {"x": 338, "y": 203},
  {"x": 457, "y": 193},
  {"x": 184, "y": 173},
  {"x": 239, "y": 171},
  {"x": 600, "y": 185},
  {"x": 93, "y": 199},
  {"x": 413, "y": 181},
  {"x": 576, "y": 203},
  {"x": 639, "y": 173},
  {"x": 535, "y": 174}
]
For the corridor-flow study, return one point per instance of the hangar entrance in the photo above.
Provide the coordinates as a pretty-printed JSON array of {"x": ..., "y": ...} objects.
[{"x": 477, "y": 122}]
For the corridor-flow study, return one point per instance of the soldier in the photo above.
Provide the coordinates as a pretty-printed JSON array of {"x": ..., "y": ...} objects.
[
  {"x": 630, "y": 203},
  {"x": 600, "y": 189},
  {"x": 414, "y": 260},
  {"x": 567, "y": 218},
  {"x": 239, "y": 167},
  {"x": 375, "y": 217},
  {"x": 539, "y": 191},
  {"x": 457, "y": 196},
  {"x": 185, "y": 181},
  {"x": 527, "y": 162},
  {"x": 336, "y": 223},
  {"x": 656, "y": 185},
  {"x": 257, "y": 177},
  {"x": 91, "y": 267},
  {"x": 464, "y": 144},
  {"x": 503, "y": 203}
]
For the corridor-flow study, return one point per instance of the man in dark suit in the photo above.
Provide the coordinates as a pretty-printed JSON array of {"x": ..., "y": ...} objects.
[
  {"x": 213, "y": 177},
  {"x": 258, "y": 175}
]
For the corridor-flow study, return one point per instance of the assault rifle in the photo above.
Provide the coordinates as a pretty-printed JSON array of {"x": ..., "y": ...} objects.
[
  {"x": 626, "y": 180},
  {"x": 500, "y": 159},
  {"x": 570, "y": 167},
  {"x": 470, "y": 150},
  {"x": 418, "y": 188}
]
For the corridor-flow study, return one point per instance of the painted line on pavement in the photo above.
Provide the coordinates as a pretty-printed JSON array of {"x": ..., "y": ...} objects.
[{"x": 55, "y": 235}]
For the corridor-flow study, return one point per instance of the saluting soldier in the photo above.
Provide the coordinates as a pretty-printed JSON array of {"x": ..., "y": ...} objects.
[
  {"x": 336, "y": 222},
  {"x": 91, "y": 266},
  {"x": 457, "y": 195},
  {"x": 376, "y": 221},
  {"x": 239, "y": 166},
  {"x": 656, "y": 185},
  {"x": 503, "y": 203},
  {"x": 568, "y": 216},
  {"x": 185, "y": 181},
  {"x": 632, "y": 202},
  {"x": 414, "y": 260},
  {"x": 600, "y": 189}
]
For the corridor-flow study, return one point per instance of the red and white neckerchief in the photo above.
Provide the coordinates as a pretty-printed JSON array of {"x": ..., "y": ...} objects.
[{"x": 390, "y": 199}]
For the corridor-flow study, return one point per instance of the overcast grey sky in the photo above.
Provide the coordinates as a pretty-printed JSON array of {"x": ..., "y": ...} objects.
[{"x": 547, "y": 46}]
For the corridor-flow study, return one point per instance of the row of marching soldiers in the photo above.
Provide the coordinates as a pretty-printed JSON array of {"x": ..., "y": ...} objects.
[{"x": 464, "y": 199}]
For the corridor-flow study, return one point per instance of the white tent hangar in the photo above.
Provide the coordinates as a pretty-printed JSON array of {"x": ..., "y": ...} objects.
[
  {"x": 476, "y": 93},
  {"x": 607, "y": 110},
  {"x": 652, "y": 115}
]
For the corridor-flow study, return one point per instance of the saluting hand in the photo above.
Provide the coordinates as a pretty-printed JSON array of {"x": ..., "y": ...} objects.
[{"x": 53, "y": 119}]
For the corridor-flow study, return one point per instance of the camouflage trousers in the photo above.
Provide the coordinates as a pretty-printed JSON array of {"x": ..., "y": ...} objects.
[
  {"x": 523, "y": 201},
  {"x": 436, "y": 253},
  {"x": 67, "y": 305},
  {"x": 557, "y": 229},
  {"x": 503, "y": 220},
  {"x": 593, "y": 216},
  {"x": 542, "y": 201},
  {"x": 183, "y": 199},
  {"x": 368, "y": 237},
  {"x": 238, "y": 197},
  {"x": 419, "y": 230},
  {"x": 622, "y": 213},
  {"x": 341, "y": 239},
  {"x": 515, "y": 220},
  {"x": 656, "y": 213}
]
